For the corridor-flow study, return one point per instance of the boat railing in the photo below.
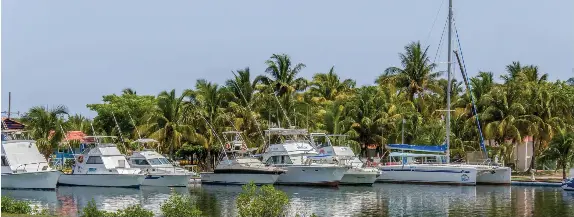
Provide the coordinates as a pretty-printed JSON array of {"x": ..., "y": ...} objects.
[{"x": 44, "y": 168}]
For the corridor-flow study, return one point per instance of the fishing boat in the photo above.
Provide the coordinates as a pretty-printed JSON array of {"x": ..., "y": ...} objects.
[
  {"x": 359, "y": 173},
  {"x": 160, "y": 171},
  {"x": 296, "y": 153},
  {"x": 102, "y": 165},
  {"x": 237, "y": 165},
  {"x": 24, "y": 167}
]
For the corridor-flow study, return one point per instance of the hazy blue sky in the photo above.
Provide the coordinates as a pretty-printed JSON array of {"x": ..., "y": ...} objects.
[{"x": 73, "y": 52}]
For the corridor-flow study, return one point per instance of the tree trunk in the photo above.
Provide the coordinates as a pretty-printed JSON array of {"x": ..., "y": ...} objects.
[
  {"x": 564, "y": 170},
  {"x": 533, "y": 158},
  {"x": 208, "y": 163}
]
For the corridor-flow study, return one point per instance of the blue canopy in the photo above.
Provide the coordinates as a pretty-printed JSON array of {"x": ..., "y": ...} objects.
[
  {"x": 319, "y": 156},
  {"x": 424, "y": 148}
]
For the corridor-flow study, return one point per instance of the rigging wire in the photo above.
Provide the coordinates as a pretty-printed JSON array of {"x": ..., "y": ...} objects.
[
  {"x": 434, "y": 21},
  {"x": 467, "y": 82},
  {"x": 437, "y": 54}
]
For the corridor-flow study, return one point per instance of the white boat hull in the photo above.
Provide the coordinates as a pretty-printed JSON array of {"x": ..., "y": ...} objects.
[
  {"x": 102, "y": 180},
  {"x": 168, "y": 180},
  {"x": 568, "y": 184},
  {"x": 312, "y": 175},
  {"x": 31, "y": 180},
  {"x": 494, "y": 175},
  {"x": 238, "y": 178},
  {"x": 434, "y": 174},
  {"x": 357, "y": 176}
]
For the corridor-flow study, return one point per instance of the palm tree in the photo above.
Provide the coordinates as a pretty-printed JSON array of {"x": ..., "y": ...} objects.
[
  {"x": 561, "y": 150},
  {"x": 166, "y": 124},
  {"x": 242, "y": 87},
  {"x": 417, "y": 75},
  {"x": 327, "y": 86},
  {"x": 283, "y": 75},
  {"x": 79, "y": 122},
  {"x": 46, "y": 127},
  {"x": 129, "y": 91}
]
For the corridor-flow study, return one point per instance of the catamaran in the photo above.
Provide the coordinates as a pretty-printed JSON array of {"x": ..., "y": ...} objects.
[
  {"x": 436, "y": 167},
  {"x": 358, "y": 174},
  {"x": 24, "y": 167},
  {"x": 102, "y": 165},
  {"x": 238, "y": 166},
  {"x": 299, "y": 156},
  {"x": 161, "y": 172}
]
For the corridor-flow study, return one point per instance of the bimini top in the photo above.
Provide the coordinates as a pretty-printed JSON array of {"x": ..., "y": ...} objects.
[
  {"x": 423, "y": 148},
  {"x": 404, "y": 154}
]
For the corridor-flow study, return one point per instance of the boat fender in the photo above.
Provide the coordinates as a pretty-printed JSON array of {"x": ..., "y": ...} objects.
[{"x": 81, "y": 159}]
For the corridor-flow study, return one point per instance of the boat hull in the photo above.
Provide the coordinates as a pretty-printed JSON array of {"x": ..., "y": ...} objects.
[
  {"x": 31, "y": 180},
  {"x": 168, "y": 180},
  {"x": 495, "y": 176},
  {"x": 357, "y": 176},
  {"x": 102, "y": 180},
  {"x": 312, "y": 175},
  {"x": 428, "y": 174},
  {"x": 238, "y": 178}
]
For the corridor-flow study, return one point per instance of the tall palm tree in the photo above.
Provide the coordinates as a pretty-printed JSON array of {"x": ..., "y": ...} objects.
[
  {"x": 166, "y": 124},
  {"x": 417, "y": 75},
  {"x": 242, "y": 87},
  {"x": 283, "y": 75},
  {"x": 328, "y": 86},
  {"x": 561, "y": 150},
  {"x": 45, "y": 126}
]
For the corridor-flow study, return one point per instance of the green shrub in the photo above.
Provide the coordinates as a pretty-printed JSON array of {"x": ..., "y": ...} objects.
[
  {"x": 131, "y": 211},
  {"x": 10, "y": 205},
  {"x": 179, "y": 206},
  {"x": 263, "y": 202}
]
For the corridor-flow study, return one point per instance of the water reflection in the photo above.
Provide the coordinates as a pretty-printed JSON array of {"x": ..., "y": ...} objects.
[{"x": 379, "y": 200}]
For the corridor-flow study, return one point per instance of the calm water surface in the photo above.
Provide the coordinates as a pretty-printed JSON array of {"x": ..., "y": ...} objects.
[{"x": 379, "y": 200}]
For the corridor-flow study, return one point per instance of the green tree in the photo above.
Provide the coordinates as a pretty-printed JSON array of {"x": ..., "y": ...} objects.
[
  {"x": 45, "y": 126},
  {"x": 263, "y": 202},
  {"x": 328, "y": 86},
  {"x": 283, "y": 75},
  {"x": 561, "y": 150}
]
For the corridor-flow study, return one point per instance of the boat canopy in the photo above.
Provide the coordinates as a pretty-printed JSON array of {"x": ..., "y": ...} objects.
[
  {"x": 423, "y": 148},
  {"x": 318, "y": 157},
  {"x": 402, "y": 154}
]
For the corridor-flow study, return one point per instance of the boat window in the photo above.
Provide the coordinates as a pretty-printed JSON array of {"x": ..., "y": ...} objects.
[
  {"x": 164, "y": 161},
  {"x": 285, "y": 159},
  {"x": 154, "y": 161},
  {"x": 94, "y": 160},
  {"x": 140, "y": 162},
  {"x": 4, "y": 161}
]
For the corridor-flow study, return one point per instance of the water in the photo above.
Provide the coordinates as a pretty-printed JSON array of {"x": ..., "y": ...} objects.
[{"x": 379, "y": 200}]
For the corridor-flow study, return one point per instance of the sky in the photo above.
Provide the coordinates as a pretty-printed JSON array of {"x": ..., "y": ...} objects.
[{"x": 74, "y": 52}]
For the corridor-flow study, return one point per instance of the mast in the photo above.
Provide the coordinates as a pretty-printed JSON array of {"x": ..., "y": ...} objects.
[{"x": 448, "y": 81}]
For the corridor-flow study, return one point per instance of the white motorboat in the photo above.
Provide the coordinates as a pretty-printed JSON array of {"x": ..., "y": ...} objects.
[
  {"x": 359, "y": 174},
  {"x": 23, "y": 167},
  {"x": 103, "y": 166},
  {"x": 297, "y": 154},
  {"x": 238, "y": 167},
  {"x": 160, "y": 171}
]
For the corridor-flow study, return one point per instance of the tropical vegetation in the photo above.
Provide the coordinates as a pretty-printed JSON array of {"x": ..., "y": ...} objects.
[{"x": 522, "y": 104}]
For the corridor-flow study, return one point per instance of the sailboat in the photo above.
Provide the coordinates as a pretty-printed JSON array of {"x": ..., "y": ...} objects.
[{"x": 433, "y": 164}]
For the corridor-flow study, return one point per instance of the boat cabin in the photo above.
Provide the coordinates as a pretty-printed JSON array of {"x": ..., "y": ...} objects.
[
  {"x": 416, "y": 154},
  {"x": 294, "y": 149},
  {"x": 103, "y": 159},
  {"x": 22, "y": 156}
]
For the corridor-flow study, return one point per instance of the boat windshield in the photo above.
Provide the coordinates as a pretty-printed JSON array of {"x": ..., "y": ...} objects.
[
  {"x": 164, "y": 160},
  {"x": 154, "y": 161}
]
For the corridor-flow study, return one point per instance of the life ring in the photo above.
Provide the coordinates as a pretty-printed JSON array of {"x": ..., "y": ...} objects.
[
  {"x": 227, "y": 146},
  {"x": 81, "y": 159},
  {"x": 243, "y": 147}
]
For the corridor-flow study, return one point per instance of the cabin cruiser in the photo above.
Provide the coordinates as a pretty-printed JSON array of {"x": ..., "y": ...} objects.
[
  {"x": 103, "y": 165},
  {"x": 299, "y": 156},
  {"x": 237, "y": 166},
  {"x": 568, "y": 183},
  {"x": 24, "y": 167},
  {"x": 359, "y": 174},
  {"x": 161, "y": 172}
]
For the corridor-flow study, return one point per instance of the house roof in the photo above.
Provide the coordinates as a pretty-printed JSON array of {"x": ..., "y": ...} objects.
[
  {"x": 10, "y": 124},
  {"x": 76, "y": 135}
]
